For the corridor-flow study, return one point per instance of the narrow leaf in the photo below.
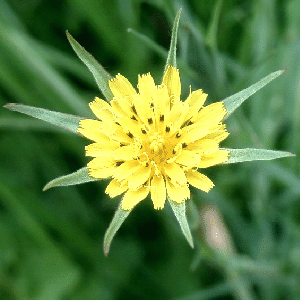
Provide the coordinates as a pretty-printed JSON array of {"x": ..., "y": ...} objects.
[
  {"x": 179, "y": 211},
  {"x": 250, "y": 154},
  {"x": 233, "y": 102},
  {"x": 211, "y": 38},
  {"x": 66, "y": 121},
  {"x": 78, "y": 177},
  {"x": 171, "y": 59},
  {"x": 101, "y": 76},
  {"x": 117, "y": 221}
]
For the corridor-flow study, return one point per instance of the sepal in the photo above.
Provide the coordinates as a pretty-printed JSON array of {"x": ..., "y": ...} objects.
[
  {"x": 233, "y": 102},
  {"x": 117, "y": 221},
  {"x": 101, "y": 76},
  {"x": 250, "y": 154},
  {"x": 66, "y": 121},
  {"x": 180, "y": 214},
  {"x": 171, "y": 59},
  {"x": 78, "y": 177}
]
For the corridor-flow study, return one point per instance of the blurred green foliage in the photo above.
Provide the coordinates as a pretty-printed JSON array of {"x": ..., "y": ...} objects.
[{"x": 51, "y": 242}]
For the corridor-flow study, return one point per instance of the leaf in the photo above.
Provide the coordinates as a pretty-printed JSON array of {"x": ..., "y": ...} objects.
[
  {"x": 250, "y": 154},
  {"x": 171, "y": 59},
  {"x": 66, "y": 121},
  {"x": 101, "y": 76},
  {"x": 117, "y": 221},
  {"x": 78, "y": 177},
  {"x": 233, "y": 102},
  {"x": 179, "y": 211},
  {"x": 211, "y": 38}
]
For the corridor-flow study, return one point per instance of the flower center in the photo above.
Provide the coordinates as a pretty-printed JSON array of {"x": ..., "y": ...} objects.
[{"x": 156, "y": 143}]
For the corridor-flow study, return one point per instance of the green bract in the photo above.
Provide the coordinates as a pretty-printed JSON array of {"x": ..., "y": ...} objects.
[{"x": 102, "y": 78}]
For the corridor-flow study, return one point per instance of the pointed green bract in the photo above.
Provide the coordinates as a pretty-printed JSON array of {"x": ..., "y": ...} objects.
[
  {"x": 101, "y": 76},
  {"x": 233, "y": 102},
  {"x": 66, "y": 121},
  {"x": 171, "y": 59},
  {"x": 250, "y": 154},
  {"x": 78, "y": 177},
  {"x": 117, "y": 221},
  {"x": 179, "y": 211}
]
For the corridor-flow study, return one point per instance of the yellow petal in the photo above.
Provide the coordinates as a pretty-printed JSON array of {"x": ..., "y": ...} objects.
[
  {"x": 92, "y": 129},
  {"x": 199, "y": 181},
  {"x": 121, "y": 87},
  {"x": 143, "y": 109},
  {"x": 101, "y": 167},
  {"x": 126, "y": 169},
  {"x": 101, "y": 173},
  {"x": 147, "y": 87},
  {"x": 194, "y": 132},
  {"x": 177, "y": 193},
  {"x": 120, "y": 136},
  {"x": 195, "y": 100},
  {"x": 101, "y": 149},
  {"x": 158, "y": 191},
  {"x": 109, "y": 128},
  {"x": 100, "y": 163},
  {"x": 124, "y": 153},
  {"x": 102, "y": 110},
  {"x": 188, "y": 158},
  {"x": 175, "y": 172},
  {"x": 211, "y": 114},
  {"x": 121, "y": 107},
  {"x": 204, "y": 145},
  {"x": 178, "y": 114},
  {"x": 115, "y": 188},
  {"x": 214, "y": 158},
  {"x": 139, "y": 177},
  {"x": 162, "y": 103},
  {"x": 218, "y": 134},
  {"x": 132, "y": 198},
  {"x": 131, "y": 125},
  {"x": 171, "y": 80}
]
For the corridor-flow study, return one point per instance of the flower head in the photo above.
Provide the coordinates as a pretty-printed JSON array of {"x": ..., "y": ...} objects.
[
  {"x": 149, "y": 141},
  {"x": 152, "y": 142}
]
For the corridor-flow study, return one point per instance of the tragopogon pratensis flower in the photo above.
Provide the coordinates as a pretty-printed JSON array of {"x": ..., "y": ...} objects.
[
  {"x": 152, "y": 142},
  {"x": 149, "y": 141}
]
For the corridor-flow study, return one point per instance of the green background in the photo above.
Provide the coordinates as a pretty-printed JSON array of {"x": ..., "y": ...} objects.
[{"x": 51, "y": 242}]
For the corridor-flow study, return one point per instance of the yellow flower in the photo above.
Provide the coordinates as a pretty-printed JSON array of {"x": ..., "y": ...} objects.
[{"x": 152, "y": 142}]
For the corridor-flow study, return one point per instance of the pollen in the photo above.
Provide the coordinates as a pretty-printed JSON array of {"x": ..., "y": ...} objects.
[{"x": 150, "y": 142}]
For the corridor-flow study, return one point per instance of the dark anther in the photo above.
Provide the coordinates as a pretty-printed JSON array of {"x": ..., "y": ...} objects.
[
  {"x": 118, "y": 163},
  {"x": 144, "y": 131},
  {"x": 151, "y": 105},
  {"x": 161, "y": 118},
  {"x": 118, "y": 123},
  {"x": 130, "y": 134},
  {"x": 147, "y": 164},
  {"x": 184, "y": 145},
  {"x": 167, "y": 128},
  {"x": 134, "y": 118},
  {"x": 178, "y": 135},
  {"x": 187, "y": 123},
  {"x": 150, "y": 121},
  {"x": 133, "y": 109},
  {"x": 173, "y": 151}
]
